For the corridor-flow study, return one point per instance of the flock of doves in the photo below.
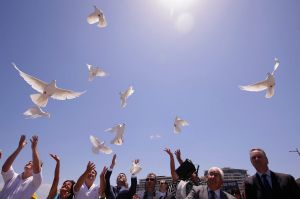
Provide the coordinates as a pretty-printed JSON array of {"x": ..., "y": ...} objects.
[{"x": 51, "y": 90}]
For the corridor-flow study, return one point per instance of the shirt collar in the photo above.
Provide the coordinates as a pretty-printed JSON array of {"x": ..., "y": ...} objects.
[
  {"x": 268, "y": 173},
  {"x": 217, "y": 192}
]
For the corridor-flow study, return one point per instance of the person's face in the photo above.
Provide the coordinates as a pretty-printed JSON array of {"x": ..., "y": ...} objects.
[
  {"x": 28, "y": 167},
  {"x": 259, "y": 161},
  {"x": 150, "y": 181},
  {"x": 194, "y": 177},
  {"x": 163, "y": 185},
  {"x": 92, "y": 175},
  {"x": 65, "y": 189},
  {"x": 121, "y": 179},
  {"x": 214, "y": 179}
]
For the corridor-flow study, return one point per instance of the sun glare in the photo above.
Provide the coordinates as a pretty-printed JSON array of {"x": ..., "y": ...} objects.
[{"x": 177, "y": 4}]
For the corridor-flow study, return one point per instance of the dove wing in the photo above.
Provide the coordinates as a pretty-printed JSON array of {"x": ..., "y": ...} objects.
[
  {"x": 93, "y": 18},
  {"x": 129, "y": 92},
  {"x": 30, "y": 111},
  {"x": 101, "y": 73},
  {"x": 123, "y": 102},
  {"x": 105, "y": 149},
  {"x": 270, "y": 92},
  {"x": 117, "y": 140},
  {"x": 183, "y": 123},
  {"x": 63, "y": 94},
  {"x": 102, "y": 22},
  {"x": 89, "y": 66},
  {"x": 35, "y": 83},
  {"x": 275, "y": 65},
  {"x": 259, "y": 86},
  {"x": 95, "y": 141},
  {"x": 177, "y": 129},
  {"x": 135, "y": 169},
  {"x": 113, "y": 129}
]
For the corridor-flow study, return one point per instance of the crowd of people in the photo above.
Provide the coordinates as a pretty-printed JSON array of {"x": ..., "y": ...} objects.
[{"x": 265, "y": 184}]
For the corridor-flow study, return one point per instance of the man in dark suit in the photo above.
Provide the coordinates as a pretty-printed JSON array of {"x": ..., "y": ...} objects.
[
  {"x": 213, "y": 190},
  {"x": 121, "y": 191},
  {"x": 266, "y": 184}
]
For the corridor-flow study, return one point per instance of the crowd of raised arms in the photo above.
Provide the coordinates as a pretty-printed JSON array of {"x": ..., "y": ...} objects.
[{"x": 265, "y": 184}]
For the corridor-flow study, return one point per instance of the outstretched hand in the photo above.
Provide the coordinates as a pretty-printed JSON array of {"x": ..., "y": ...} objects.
[
  {"x": 90, "y": 166},
  {"x": 113, "y": 161},
  {"x": 178, "y": 154},
  {"x": 34, "y": 141},
  {"x": 169, "y": 152},
  {"x": 55, "y": 157},
  {"x": 22, "y": 142}
]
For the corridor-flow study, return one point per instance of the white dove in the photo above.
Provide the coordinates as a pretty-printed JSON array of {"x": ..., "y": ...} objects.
[
  {"x": 119, "y": 130},
  {"x": 124, "y": 95},
  {"x": 98, "y": 146},
  {"x": 268, "y": 83},
  {"x": 97, "y": 17},
  {"x": 46, "y": 90},
  {"x": 178, "y": 123},
  {"x": 95, "y": 71},
  {"x": 136, "y": 168},
  {"x": 35, "y": 112}
]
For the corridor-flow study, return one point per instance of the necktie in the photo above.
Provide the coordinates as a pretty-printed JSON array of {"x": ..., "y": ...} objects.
[
  {"x": 212, "y": 195},
  {"x": 265, "y": 182}
]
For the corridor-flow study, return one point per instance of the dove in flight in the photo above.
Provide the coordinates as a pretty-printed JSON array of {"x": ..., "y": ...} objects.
[
  {"x": 178, "y": 123},
  {"x": 136, "y": 168},
  {"x": 46, "y": 90},
  {"x": 95, "y": 72},
  {"x": 124, "y": 95},
  {"x": 36, "y": 112},
  {"x": 267, "y": 84},
  {"x": 97, "y": 17},
  {"x": 98, "y": 146},
  {"x": 119, "y": 130}
]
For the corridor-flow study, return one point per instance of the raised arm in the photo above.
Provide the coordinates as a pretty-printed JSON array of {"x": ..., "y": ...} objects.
[
  {"x": 178, "y": 156},
  {"x": 133, "y": 184},
  {"x": 109, "y": 193},
  {"x": 90, "y": 166},
  {"x": 10, "y": 160},
  {"x": 102, "y": 185},
  {"x": 35, "y": 156},
  {"x": 113, "y": 162},
  {"x": 172, "y": 164},
  {"x": 53, "y": 190}
]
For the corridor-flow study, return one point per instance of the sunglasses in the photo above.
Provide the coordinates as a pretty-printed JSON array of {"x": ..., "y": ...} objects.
[
  {"x": 163, "y": 183},
  {"x": 150, "y": 179}
]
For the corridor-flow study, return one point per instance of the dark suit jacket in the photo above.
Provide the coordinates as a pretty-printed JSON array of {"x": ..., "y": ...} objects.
[
  {"x": 283, "y": 187},
  {"x": 113, "y": 192},
  {"x": 200, "y": 192}
]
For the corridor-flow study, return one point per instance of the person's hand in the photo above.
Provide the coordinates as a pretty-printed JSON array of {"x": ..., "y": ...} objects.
[
  {"x": 55, "y": 157},
  {"x": 22, "y": 142},
  {"x": 34, "y": 141},
  {"x": 178, "y": 154},
  {"x": 102, "y": 174},
  {"x": 169, "y": 152},
  {"x": 90, "y": 166},
  {"x": 113, "y": 161},
  {"x": 102, "y": 181}
]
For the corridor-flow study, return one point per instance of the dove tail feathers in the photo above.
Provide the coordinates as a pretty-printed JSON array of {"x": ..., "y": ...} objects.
[{"x": 40, "y": 100}]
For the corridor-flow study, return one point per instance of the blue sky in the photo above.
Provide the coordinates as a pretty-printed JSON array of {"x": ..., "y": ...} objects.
[{"x": 187, "y": 63}]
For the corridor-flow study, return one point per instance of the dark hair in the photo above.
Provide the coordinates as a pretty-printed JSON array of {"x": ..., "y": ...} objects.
[
  {"x": 259, "y": 149},
  {"x": 71, "y": 191}
]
